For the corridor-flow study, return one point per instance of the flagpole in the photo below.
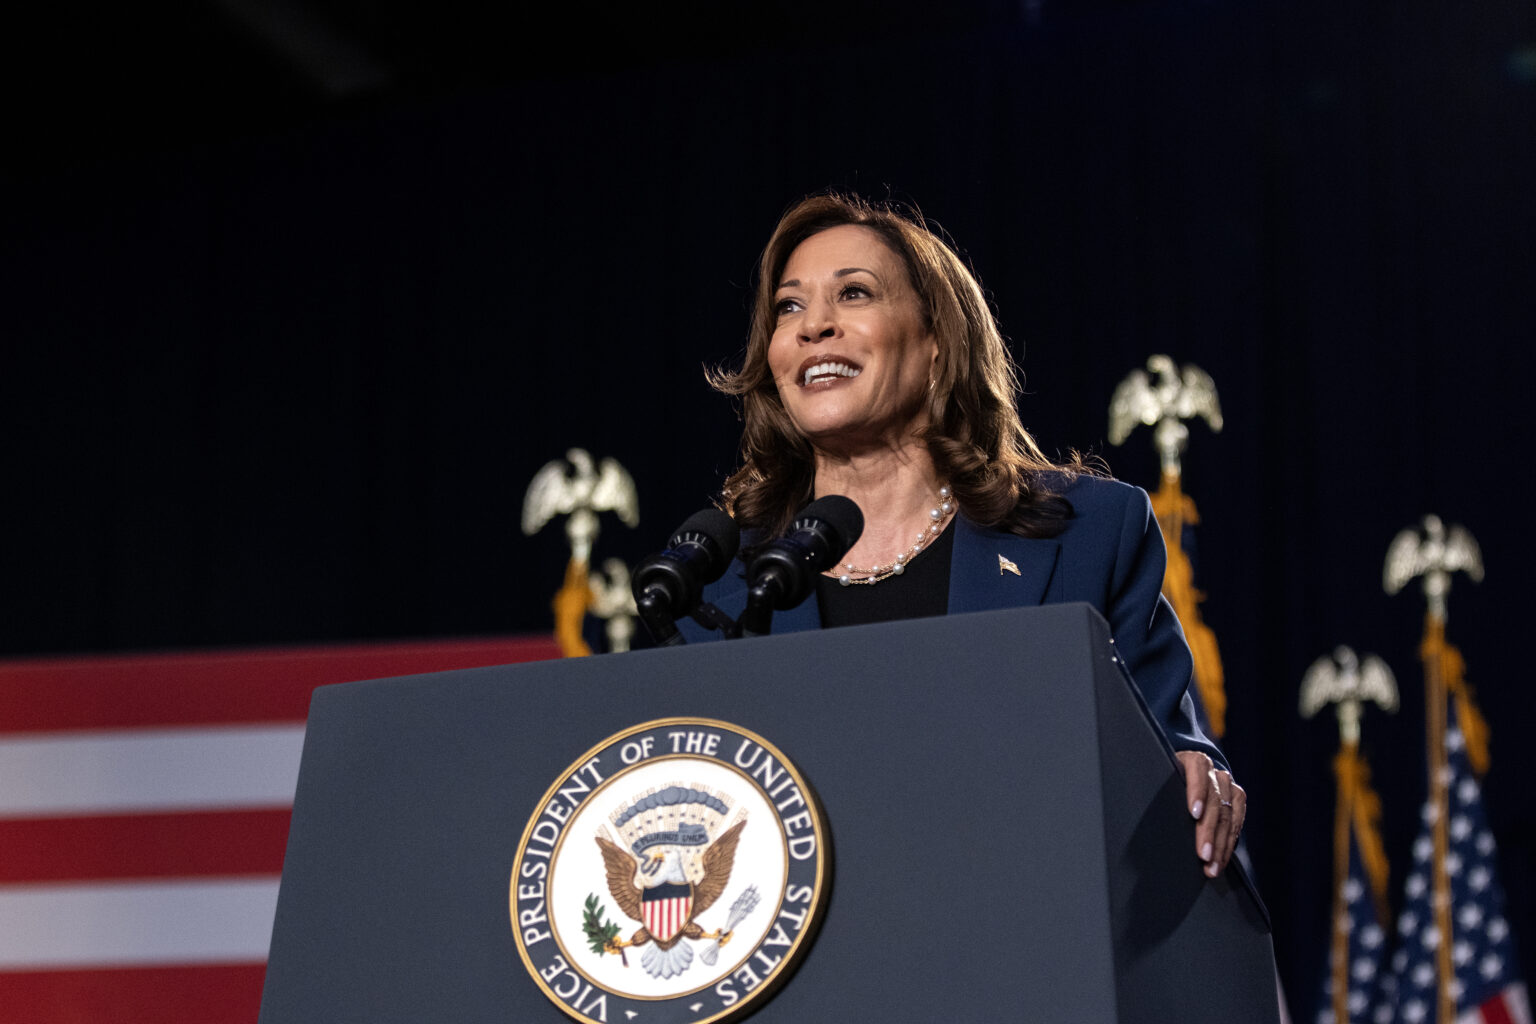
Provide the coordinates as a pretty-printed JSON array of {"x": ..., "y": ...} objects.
[
  {"x": 1338, "y": 958},
  {"x": 579, "y": 487},
  {"x": 1162, "y": 401},
  {"x": 1347, "y": 682},
  {"x": 1435, "y": 555},
  {"x": 1435, "y": 699}
]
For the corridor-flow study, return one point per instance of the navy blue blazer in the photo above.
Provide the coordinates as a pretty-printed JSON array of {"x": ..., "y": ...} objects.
[{"x": 1111, "y": 556}]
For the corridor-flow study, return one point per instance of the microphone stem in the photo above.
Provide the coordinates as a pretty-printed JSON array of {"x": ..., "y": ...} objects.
[
  {"x": 757, "y": 618},
  {"x": 656, "y": 613}
]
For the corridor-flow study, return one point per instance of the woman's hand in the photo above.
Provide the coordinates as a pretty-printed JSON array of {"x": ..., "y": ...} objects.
[{"x": 1218, "y": 806}]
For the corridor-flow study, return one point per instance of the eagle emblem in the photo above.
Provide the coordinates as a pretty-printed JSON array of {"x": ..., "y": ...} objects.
[
  {"x": 1179, "y": 393},
  {"x": 649, "y": 854},
  {"x": 671, "y": 872}
]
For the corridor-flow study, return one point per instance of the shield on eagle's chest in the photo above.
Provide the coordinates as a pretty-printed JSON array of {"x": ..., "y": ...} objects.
[{"x": 666, "y": 908}]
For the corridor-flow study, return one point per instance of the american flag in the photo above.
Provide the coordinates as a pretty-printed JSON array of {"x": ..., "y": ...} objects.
[
  {"x": 1365, "y": 948},
  {"x": 144, "y": 806},
  {"x": 1486, "y": 986}
]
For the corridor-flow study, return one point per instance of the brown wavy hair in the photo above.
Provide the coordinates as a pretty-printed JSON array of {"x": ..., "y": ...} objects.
[{"x": 997, "y": 472}]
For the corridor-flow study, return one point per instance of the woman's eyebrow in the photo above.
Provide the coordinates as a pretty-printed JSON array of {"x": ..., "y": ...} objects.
[{"x": 795, "y": 282}]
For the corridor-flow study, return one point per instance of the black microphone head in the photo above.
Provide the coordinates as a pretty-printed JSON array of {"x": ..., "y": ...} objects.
[
  {"x": 715, "y": 534},
  {"x": 783, "y": 572},
  {"x": 840, "y": 522},
  {"x": 670, "y": 584}
]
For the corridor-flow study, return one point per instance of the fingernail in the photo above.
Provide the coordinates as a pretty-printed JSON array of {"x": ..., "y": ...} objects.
[
  {"x": 1210, "y": 870},
  {"x": 1196, "y": 807},
  {"x": 1205, "y": 852}
]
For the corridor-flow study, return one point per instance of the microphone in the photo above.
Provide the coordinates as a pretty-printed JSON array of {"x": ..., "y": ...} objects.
[
  {"x": 670, "y": 584},
  {"x": 784, "y": 571}
]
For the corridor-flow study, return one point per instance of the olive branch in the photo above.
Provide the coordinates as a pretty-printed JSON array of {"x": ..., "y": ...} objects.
[{"x": 600, "y": 933}]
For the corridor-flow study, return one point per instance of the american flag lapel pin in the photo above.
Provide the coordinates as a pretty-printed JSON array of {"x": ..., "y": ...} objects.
[{"x": 1003, "y": 565}]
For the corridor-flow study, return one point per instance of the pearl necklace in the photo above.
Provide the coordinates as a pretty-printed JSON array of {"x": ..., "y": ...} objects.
[{"x": 850, "y": 575}]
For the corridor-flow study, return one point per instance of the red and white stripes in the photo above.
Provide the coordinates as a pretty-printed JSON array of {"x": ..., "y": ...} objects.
[{"x": 144, "y": 807}]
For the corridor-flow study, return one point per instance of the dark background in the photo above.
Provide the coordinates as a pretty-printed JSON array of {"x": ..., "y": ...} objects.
[{"x": 299, "y": 296}]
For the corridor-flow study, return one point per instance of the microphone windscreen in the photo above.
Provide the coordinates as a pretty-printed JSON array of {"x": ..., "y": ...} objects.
[
  {"x": 840, "y": 515},
  {"x": 716, "y": 534}
]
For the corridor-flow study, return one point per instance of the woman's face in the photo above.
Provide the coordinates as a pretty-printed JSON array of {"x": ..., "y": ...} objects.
[{"x": 850, "y": 353}]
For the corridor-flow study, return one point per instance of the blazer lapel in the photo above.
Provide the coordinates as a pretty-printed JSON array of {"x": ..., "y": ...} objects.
[{"x": 979, "y": 581}]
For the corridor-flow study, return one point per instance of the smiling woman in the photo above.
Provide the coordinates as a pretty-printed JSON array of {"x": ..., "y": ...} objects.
[
  {"x": 881, "y": 267},
  {"x": 874, "y": 369}
]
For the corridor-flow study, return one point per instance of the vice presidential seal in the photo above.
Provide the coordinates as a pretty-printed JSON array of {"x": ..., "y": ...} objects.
[{"x": 673, "y": 873}]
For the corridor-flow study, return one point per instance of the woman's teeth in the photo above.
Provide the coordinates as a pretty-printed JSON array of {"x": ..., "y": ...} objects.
[{"x": 827, "y": 371}]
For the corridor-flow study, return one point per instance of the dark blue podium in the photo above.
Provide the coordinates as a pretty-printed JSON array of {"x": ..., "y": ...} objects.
[{"x": 1009, "y": 834}]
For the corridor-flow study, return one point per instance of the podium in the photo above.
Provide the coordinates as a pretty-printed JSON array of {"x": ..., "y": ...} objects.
[{"x": 1009, "y": 839}]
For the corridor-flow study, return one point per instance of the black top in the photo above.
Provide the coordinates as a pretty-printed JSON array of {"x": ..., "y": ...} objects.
[{"x": 922, "y": 590}]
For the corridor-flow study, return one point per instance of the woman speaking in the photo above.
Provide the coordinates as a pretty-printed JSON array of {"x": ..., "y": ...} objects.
[{"x": 875, "y": 369}]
